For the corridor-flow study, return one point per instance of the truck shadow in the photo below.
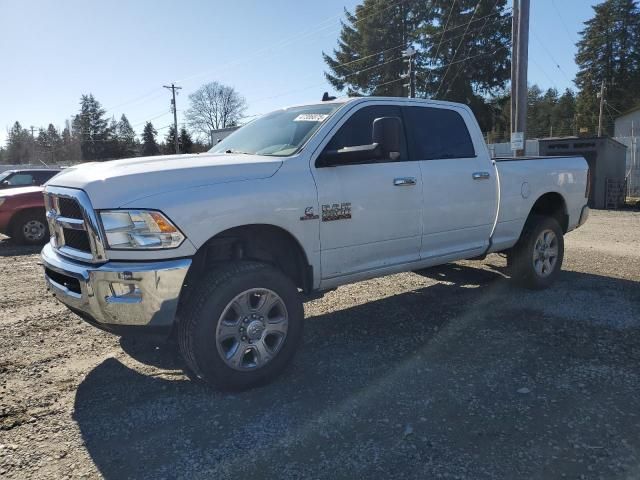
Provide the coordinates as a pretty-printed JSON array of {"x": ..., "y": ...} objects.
[
  {"x": 418, "y": 362},
  {"x": 8, "y": 248}
]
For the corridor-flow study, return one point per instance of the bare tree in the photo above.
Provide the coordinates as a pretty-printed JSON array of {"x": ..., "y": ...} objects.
[{"x": 214, "y": 106}]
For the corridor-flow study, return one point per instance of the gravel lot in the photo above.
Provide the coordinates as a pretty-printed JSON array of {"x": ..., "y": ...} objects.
[{"x": 454, "y": 373}]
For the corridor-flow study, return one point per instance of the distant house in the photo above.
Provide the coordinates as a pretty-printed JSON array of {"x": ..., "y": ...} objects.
[
  {"x": 628, "y": 124},
  {"x": 221, "y": 134}
]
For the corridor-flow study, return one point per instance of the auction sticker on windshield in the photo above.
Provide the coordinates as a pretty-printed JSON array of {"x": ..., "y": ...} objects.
[{"x": 311, "y": 117}]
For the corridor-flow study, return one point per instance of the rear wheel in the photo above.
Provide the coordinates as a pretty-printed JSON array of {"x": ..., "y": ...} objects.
[
  {"x": 30, "y": 228},
  {"x": 536, "y": 260},
  {"x": 241, "y": 325}
]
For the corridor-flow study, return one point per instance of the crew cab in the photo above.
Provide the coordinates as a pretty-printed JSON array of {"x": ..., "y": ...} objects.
[
  {"x": 218, "y": 248},
  {"x": 22, "y": 215}
]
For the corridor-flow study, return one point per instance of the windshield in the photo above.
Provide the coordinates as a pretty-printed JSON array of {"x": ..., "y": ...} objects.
[{"x": 280, "y": 133}]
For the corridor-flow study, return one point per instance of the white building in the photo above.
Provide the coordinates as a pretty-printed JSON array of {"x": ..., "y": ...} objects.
[
  {"x": 628, "y": 124},
  {"x": 627, "y": 130}
]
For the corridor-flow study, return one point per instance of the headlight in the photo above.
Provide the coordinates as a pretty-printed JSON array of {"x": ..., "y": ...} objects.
[{"x": 139, "y": 229}]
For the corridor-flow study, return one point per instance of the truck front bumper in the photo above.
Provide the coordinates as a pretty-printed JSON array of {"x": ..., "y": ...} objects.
[{"x": 119, "y": 297}]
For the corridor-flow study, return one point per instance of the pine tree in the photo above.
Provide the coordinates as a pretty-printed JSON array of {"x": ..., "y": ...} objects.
[
  {"x": 169, "y": 141},
  {"x": 547, "y": 114},
  {"x": 52, "y": 151},
  {"x": 70, "y": 145},
  {"x": 126, "y": 138},
  {"x": 564, "y": 114},
  {"x": 20, "y": 145},
  {"x": 42, "y": 146},
  {"x": 112, "y": 141},
  {"x": 185, "y": 140},
  {"x": 609, "y": 52},
  {"x": 466, "y": 49},
  {"x": 149, "y": 144},
  {"x": 462, "y": 50},
  {"x": 368, "y": 59},
  {"x": 92, "y": 129},
  {"x": 465, "y": 55}
]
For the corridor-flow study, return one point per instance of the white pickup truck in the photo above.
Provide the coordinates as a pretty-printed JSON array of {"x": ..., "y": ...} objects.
[{"x": 219, "y": 248}]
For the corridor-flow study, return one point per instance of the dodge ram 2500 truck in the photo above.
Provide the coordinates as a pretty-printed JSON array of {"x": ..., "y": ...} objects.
[{"x": 218, "y": 248}]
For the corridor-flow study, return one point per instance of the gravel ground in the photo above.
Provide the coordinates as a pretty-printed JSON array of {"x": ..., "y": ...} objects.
[{"x": 452, "y": 373}]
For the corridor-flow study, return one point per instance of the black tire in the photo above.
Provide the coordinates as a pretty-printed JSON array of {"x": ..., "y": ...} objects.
[
  {"x": 30, "y": 228},
  {"x": 199, "y": 316},
  {"x": 521, "y": 257}
]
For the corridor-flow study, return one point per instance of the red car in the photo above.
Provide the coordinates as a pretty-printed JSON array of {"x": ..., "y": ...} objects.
[{"x": 22, "y": 215}]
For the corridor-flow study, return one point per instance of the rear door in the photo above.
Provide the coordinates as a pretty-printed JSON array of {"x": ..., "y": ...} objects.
[
  {"x": 459, "y": 182},
  {"x": 370, "y": 212}
]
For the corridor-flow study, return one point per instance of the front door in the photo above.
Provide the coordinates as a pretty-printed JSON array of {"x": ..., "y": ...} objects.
[{"x": 370, "y": 212}]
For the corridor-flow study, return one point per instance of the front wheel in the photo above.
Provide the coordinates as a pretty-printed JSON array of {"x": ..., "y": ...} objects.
[
  {"x": 536, "y": 260},
  {"x": 241, "y": 325},
  {"x": 30, "y": 228}
]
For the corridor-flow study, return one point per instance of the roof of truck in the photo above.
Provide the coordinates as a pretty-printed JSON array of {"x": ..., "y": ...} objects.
[{"x": 342, "y": 100}]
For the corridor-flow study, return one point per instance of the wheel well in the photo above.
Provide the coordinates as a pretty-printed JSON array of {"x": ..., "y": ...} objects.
[
  {"x": 21, "y": 213},
  {"x": 552, "y": 205},
  {"x": 264, "y": 243}
]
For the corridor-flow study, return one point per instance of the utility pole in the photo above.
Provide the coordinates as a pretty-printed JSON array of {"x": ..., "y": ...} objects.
[
  {"x": 32, "y": 128},
  {"x": 410, "y": 55},
  {"x": 173, "y": 89},
  {"x": 603, "y": 89},
  {"x": 519, "y": 68}
]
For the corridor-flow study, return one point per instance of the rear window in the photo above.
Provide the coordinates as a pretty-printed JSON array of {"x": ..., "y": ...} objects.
[{"x": 437, "y": 133}]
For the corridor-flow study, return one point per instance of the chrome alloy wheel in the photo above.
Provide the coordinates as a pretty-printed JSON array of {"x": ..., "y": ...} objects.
[
  {"x": 545, "y": 253},
  {"x": 34, "y": 230},
  {"x": 252, "y": 329}
]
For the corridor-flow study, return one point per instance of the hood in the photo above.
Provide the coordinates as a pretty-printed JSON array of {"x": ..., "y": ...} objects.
[
  {"x": 12, "y": 192},
  {"x": 118, "y": 182}
]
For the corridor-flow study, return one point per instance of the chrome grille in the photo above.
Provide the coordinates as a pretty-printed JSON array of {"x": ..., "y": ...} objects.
[
  {"x": 69, "y": 207},
  {"x": 78, "y": 239},
  {"x": 73, "y": 224}
]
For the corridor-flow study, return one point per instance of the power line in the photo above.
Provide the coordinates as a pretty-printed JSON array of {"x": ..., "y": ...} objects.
[
  {"x": 455, "y": 53},
  {"x": 564, "y": 25},
  {"x": 493, "y": 52},
  {"x": 284, "y": 42},
  {"x": 289, "y": 40},
  {"x": 479, "y": 33},
  {"x": 535, "y": 35},
  {"x": 544, "y": 73},
  {"x": 435, "y": 35},
  {"x": 152, "y": 118}
]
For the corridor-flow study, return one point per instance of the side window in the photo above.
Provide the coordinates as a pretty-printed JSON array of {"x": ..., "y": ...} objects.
[
  {"x": 357, "y": 130},
  {"x": 43, "y": 177},
  {"x": 436, "y": 133},
  {"x": 21, "y": 179}
]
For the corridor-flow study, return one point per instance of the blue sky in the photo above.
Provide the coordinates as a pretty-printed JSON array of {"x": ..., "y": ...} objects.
[{"x": 270, "y": 51}]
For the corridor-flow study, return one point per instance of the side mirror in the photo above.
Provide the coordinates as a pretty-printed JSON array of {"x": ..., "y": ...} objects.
[
  {"x": 349, "y": 155},
  {"x": 4, "y": 184},
  {"x": 387, "y": 133}
]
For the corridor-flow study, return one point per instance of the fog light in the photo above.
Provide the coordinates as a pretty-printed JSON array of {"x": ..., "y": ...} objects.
[{"x": 125, "y": 290}]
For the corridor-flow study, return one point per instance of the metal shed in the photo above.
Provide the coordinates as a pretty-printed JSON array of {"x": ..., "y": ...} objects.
[{"x": 606, "y": 158}]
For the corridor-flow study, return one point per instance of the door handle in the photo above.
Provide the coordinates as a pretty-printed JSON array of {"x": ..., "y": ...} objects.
[
  {"x": 481, "y": 176},
  {"x": 404, "y": 182}
]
